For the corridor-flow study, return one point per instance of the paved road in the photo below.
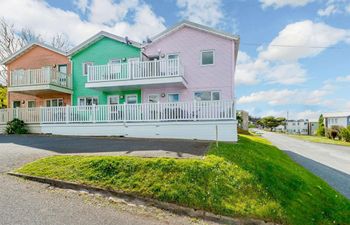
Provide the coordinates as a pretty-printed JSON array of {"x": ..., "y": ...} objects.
[
  {"x": 330, "y": 162},
  {"x": 25, "y": 202}
]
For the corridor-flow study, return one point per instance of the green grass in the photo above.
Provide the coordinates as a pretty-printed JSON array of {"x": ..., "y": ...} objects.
[
  {"x": 249, "y": 179},
  {"x": 319, "y": 139}
]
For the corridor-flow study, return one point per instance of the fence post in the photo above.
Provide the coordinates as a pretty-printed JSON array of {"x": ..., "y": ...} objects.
[
  {"x": 234, "y": 109},
  {"x": 67, "y": 113},
  {"x": 17, "y": 113},
  {"x": 194, "y": 110},
  {"x": 94, "y": 113},
  {"x": 125, "y": 113},
  {"x": 158, "y": 109}
]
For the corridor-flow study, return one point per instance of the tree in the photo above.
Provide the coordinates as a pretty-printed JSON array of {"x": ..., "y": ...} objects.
[
  {"x": 12, "y": 40},
  {"x": 321, "y": 130},
  {"x": 3, "y": 97},
  {"x": 271, "y": 122}
]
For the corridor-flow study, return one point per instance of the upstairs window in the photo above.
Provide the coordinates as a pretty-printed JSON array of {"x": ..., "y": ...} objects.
[
  {"x": 207, "y": 95},
  {"x": 85, "y": 67},
  {"x": 207, "y": 57},
  {"x": 174, "y": 97},
  {"x": 85, "y": 101}
]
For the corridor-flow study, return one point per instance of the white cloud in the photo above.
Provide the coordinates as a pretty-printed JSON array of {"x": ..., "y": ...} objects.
[
  {"x": 207, "y": 12},
  {"x": 329, "y": 10},
  {"x": 144, "y": 22},
  {"x": 248, "y": 70},
  {"x": 305, "y": 38},
  {"x": 82, "y": 5},
  {"x": 291, "y": 73},
  {"x": 347, "y": 9},
  {"x": 343, "y": 78},
  {"x": 282, "y": 3}
]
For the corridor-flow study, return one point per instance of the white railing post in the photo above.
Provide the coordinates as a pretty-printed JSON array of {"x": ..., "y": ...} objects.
[
  {"x": 234, "y": 109},
  {"x": 94, "y": 113},
  {"x": 16, "y": 113},
  {"x": 67, "y": 113},
  {"x": 125, "y": 112},
  {"x": 158, "y": 109},
  {"x": 194, "y": 110}
]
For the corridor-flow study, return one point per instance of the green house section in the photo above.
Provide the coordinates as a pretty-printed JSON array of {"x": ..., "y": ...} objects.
[{"x": 100, "y": 53}]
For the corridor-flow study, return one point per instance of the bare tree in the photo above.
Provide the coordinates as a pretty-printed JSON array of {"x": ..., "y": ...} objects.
[{"x": 11, "y": 41}]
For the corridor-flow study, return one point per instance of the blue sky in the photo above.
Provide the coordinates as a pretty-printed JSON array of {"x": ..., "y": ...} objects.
[{"x": 294, "y": 54}]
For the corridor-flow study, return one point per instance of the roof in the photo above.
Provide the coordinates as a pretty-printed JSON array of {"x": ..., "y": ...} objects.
[
  {"x": 98, "y": 37},
  {"x": 336, "y": 114},
  {"x": 28, "y": 47},
  {"x": 186, "y": 23}
]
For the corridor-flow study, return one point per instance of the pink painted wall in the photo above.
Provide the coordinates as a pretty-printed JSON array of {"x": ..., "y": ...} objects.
[{"x": 189, "y": 43}]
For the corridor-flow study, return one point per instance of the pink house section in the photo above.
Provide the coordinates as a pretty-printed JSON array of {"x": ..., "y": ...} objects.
[{"x": 188, "y": 43}]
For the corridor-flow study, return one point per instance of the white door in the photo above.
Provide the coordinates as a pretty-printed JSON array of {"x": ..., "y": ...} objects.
[
  {"x": 134, "y": 67},
  {"x": 113, "y": 101}
]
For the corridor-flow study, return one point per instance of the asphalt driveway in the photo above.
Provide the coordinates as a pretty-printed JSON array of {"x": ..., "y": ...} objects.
[{"x": 330, "y": 162}]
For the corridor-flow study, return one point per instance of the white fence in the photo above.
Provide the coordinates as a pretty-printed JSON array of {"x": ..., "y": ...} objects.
[
  {"x": 143, "y": 112},
  {"x": 39, "y": 77},
  {"x": 135, "y": 70}
]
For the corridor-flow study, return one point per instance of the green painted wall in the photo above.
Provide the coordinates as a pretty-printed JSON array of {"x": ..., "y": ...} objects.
[{"x": 100, "y": 53}]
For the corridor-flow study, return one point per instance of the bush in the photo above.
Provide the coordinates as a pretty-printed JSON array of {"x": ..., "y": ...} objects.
[
  {"x": 345, "y": 134},
  {"x": 333, "y": 132},
  {"x": 16, "y": 126}
]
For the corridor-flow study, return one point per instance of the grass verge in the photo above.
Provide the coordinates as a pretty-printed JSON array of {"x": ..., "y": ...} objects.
[
  {"x": 249, "y": 179},
  {"x": 319, "y": 139}
]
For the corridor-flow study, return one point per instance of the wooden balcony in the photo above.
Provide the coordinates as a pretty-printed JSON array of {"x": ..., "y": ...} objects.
[
  {"x": 37, "y": 81},
  {"x": 136, "y": 74}
]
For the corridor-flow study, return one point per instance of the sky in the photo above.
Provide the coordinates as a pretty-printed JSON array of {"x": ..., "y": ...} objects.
[{"x": 294, "y": 56}]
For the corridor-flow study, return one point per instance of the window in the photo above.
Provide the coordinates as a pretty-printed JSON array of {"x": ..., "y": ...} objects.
[
  {"x": 207, "y": 57},
  {"x": 85, "y": 67},
  {"x": 54, "y": 102},
  {"x": 115, "y": 61},
  {"x": 131, "y": 99},
  {"x": 113, "y": 100},
  {"x": 84, "y": 101},
  {"x": 31, "y": 104},
  {"x": 16, "y": 104},
  {"x": 153, "y": 98},
  {"x": 62, "y": 68},
  {"x": 173, "y": 97},
  {"x": 173, "y": 56},
  {"x": 207, "y": 95}
]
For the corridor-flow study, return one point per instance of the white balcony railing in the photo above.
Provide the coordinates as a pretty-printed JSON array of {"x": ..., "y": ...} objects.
[
  {"x": 143, "y": 112},
  {"x": 39, "y": 77},
  {"x": 135, "y": 70}
]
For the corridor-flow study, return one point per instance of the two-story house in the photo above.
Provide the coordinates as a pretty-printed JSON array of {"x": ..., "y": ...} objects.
[
  {"x": 297, "y": 126},
  {"x": 341, "y": 119},
  {"x": 38, "y": 75}
]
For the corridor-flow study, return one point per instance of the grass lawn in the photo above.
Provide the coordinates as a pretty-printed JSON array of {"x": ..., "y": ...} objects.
[
  {"x": 319, "y": 139},
  {"x": 249, "y": 179}
]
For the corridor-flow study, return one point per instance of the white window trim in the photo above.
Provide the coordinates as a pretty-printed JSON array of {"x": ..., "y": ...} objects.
[
  {"x": 115, "y": 59},
  {"x": 31, "y": 101},
  {"x": 154, "y": 95},
  {"x": 110, "y": 96},
  {"x": 173, "y": 53},
  {"x": 83, "y": 66},
  {"x": 126, "y": 97},
  {"x": 211, "y": 94},
  {"x": 13, "y": 102},
  {"x": 84, "y": 97},
  {"x": 201, "y": 57},
  {"x": 50, "y": 99},
  {"x": 176, "y": 93}
]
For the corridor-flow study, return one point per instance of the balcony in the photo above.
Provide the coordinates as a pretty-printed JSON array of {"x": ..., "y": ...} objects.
[
  {"x": 38, "y": 81},
  {"x": 157, "y": 73}
]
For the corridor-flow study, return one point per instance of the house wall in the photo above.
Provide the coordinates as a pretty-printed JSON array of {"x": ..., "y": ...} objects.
[
  {"x": 36, "y": 58},
  {"x": 337, "y": 121},
  {"x": 100, "y": 53},
  {"x": 297, "y": 127},
  {"x": 188, "y": 44}
]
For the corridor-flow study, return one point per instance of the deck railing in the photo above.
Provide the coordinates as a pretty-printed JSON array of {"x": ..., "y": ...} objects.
[
  {"x": 143, "y": 112},
  {"x": 39, "y": 77},
  {"x": 135, "y": 70}
]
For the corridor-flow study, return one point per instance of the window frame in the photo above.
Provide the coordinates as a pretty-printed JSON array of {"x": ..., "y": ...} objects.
[
  {"x": 115, "y": 59},
  {"x": 211, "y": 95},
  {"x": 85, "y": 97},
  {"x": 173, "y": 53},
  {"x": 201, "y": 57},
  {"x": 61, "y": 65},
  {"x": 31, "y": 101},
  {"x": 84, "y": 63},
  {"x": 126, "y": 98},
  {"x": 50, "y": 99},
  {"x": 174, "y": 93},
  {"x": 158, "y": 96},
  {"x": 111, "y": 96}
]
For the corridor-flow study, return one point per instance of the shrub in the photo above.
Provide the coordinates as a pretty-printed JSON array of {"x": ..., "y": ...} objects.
[
  {"x": 333, "y": 132},
  {"x": 16, "y": 126},
  {"x": 345, "y": 134}
]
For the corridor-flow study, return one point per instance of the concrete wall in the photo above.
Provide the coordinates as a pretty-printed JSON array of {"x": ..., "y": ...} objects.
[{"x": 227, "y": 130}]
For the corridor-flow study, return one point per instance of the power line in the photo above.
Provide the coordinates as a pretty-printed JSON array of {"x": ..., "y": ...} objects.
[{"x": 289, "y": 46}]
